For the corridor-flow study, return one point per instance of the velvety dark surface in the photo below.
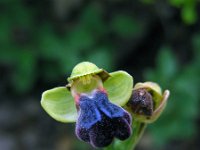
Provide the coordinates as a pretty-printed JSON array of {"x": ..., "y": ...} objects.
[{"x": 100, "y": 121}]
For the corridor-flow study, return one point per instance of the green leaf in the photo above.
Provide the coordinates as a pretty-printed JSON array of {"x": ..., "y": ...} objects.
[
  {"x": 119, "y": 87},
  {"x": 125, "y": 26},
  {"x": 176, "y": 3},
  {"x": 80, "y": 39},
  {"x": 92, "y": 19},
  {"x": 189, "y": 14},
  {"x": 59, "y": 104},
  {"x": 102, "y": 53}
]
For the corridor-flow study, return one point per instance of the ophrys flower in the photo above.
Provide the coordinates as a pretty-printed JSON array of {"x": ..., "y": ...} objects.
[{"x": 98, "y": 97}]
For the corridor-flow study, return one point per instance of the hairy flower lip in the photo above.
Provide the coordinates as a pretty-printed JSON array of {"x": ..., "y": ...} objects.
[{"x": 100, "y": 121}]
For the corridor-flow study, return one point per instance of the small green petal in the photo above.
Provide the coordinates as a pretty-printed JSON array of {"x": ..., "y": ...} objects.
[
  {"x": 87, "y": 68},
  {"x": 119, "y": 87},
  {"x": 59, "y": 104},
  {"x": 162, "y": 105},
  {"x": 149, "y": 85}
]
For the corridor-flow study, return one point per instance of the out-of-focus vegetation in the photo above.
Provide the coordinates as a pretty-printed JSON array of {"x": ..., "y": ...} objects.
[
  {"x": 41, "y": 41},
  {"x": 179, "y": 119}
]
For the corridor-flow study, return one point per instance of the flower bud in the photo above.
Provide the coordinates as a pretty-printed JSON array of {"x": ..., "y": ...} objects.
[
  {"x": 141, "y": 102},
  {"x": 147, "y": 101}
]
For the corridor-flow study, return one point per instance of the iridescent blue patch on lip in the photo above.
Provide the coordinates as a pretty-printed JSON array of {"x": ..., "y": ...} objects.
[{"x": 100, "y": 121}]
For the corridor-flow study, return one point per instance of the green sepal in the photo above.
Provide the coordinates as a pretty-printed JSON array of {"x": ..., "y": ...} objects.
[
  {"x": 59, "y": 104},
  {"x": 119, "y": 87}
]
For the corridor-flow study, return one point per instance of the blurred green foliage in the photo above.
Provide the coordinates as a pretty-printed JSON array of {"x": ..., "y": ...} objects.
[
  {"x": 188, "y": 8},
  {"x": 32, "y": 45},
  {"x": 125, "y": 26},
  {"x": 178, "y": 120},
  {"x": 25, "y": 42},
  {"x": 37, "y": 46}
]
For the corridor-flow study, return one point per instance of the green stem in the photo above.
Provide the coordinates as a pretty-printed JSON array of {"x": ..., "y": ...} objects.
[{"x": 138, "y": 130}]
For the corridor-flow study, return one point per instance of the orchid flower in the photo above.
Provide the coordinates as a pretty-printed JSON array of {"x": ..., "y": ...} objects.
[{"x": 93, "y": 99}]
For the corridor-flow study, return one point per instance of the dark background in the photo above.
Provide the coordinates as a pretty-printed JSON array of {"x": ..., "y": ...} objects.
[{"x": 42, "y": 40}]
